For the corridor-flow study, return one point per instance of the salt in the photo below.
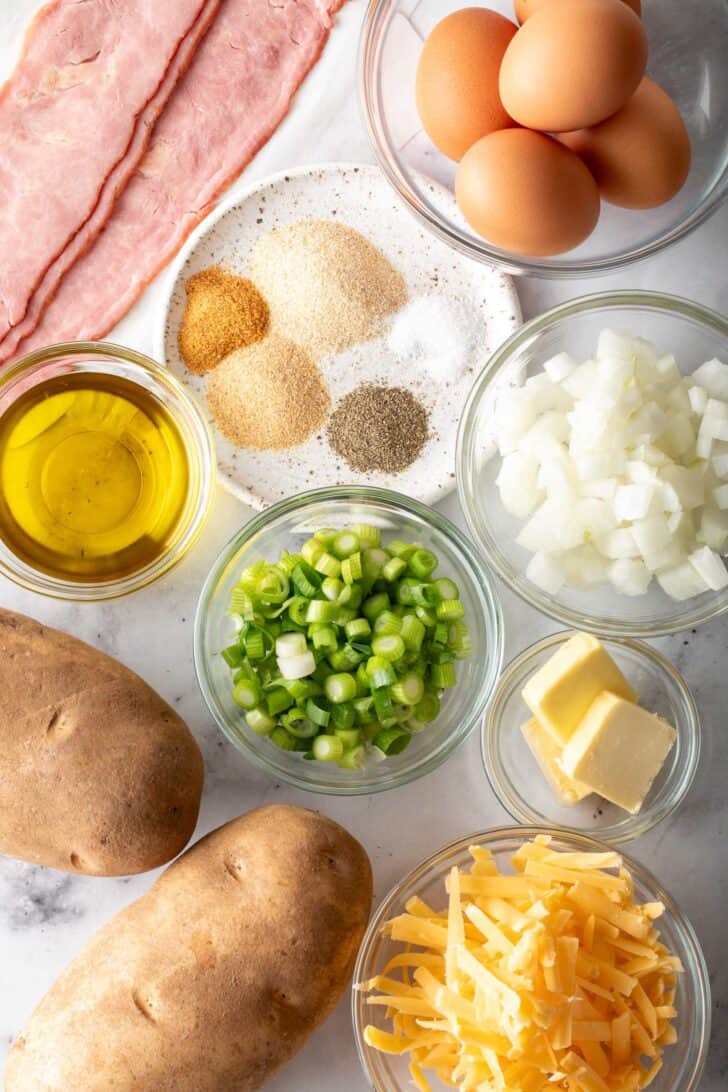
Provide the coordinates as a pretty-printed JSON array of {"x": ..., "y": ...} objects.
[{"x": 438, "y": 333}]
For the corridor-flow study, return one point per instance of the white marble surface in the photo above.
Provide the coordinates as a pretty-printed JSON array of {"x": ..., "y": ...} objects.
[{"x": 45, "y": 917}]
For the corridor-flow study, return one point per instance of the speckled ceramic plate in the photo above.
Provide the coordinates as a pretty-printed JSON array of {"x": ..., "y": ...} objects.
[{"x": 356, "y": 195}]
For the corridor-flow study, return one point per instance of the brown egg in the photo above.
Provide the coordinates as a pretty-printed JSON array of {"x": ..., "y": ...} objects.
[
  {"x": 524, "y": 8},
  {"x": 520, "y": 191},
  {"x": 640, "y": 157},
  {"x": 457, "y": 79},
  {"x": 573, "y": 64}
]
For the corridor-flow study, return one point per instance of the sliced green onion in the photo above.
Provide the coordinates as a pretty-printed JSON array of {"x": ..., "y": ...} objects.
[
  {"x": 350, "y": 737},
  {"x": 372, "y": 562},
  {"x": 241, "y": 603},
  {"x": 301, "y": 689},
  {"x": 358, "y": 627},
  {"x": 283, "y": 739},
  {"x": 374, "y": 605},
  {"x": 368, "y": 536},
  {"x": 339, "y": 688},
  {"x": 297, "y": 667},
  {"x": 353, "y": 759},
  {"x": 305, "y": 580},
  {"x": 443, "y": 676},
  {"x": 299, "y": 724},
  {"x": 321, "y": 610},
  {"x": 426, "y": 616},
  {"x": 362, "y": 680},
  {"x": 297, "y": 609},
  {"x": 351, "y": 569},
  {"x": 393, "y": 569},
  {"x": 343, "y": 716},
  {"x": 233, "y": 655},
  {"x": 332, "y": 588},
  {"x": 422, "y": 563},
  {"x": 246, "y": 694},
  {"x": 255, "y": 645},
  {"x": 390, "y": 646},
  {"x": 391, "y": 741},
  {"x": 311, "y": 551},
  {"x": 323, "y": 635},
  {"x": 363, "y": 709},
  {"x": 317, "y": 713},
  {"x": 345, "y": 544},
  {"x": 439, "y": 634},
  {"x": 287, "y": 562},
  {"x": 350, "y": 596},
  {"x": 412, "y": 632},
  {"x": 397, "y": 548},
  {"x": 449, "y": 609},
  {"x": 290, "y": 644},
  {"x": 424, "y": 595},
  {"x": 328, "y": 565},
  {"x": 327, "y": 748},
  {"x": 383, "y": 705},
  {"x": 380, "y": 672},
  {"x": 345, "y": 658},
  {"x": 386, "y": 623},
  {"x": 458, "y": 638},
  {"x": 278, "y": 700},
  {"x": 259, "y": 721},
  {"x": 446, "y": 589},
  {"x": 325, "y": 536},
  {"x": 409, "y": 690},
  {"x": 428, "y": 709}
]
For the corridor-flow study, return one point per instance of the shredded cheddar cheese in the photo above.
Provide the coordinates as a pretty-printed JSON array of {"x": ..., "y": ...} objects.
[{"x": 552, "y": 976}]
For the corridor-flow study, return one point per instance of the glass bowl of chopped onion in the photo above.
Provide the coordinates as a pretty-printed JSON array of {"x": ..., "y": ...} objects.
[
  {"x": 347, "y": 640},
  {"x": 493, "y": 960},
  {"x": 391, "y": 40},
  {"x": 592, "y": 463},
  {"x": 520, "y": 783}
]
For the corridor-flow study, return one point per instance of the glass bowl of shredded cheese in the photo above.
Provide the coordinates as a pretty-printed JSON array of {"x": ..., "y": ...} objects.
[{"x": 527, "y": 959}]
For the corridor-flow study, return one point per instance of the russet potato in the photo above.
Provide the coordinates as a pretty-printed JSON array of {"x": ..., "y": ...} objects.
[
  {"x": 216, "y": 977},
  {"x": 98, "y": 774}
]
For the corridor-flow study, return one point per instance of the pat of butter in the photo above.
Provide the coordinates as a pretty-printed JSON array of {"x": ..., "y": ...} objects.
[
  {"x": 618, "y": 750},
  {"x": 560, "y": 692},
  {"x": 547, "y": 752}
]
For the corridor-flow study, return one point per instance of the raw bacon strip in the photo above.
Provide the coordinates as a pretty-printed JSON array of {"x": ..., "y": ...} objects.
[
  {"x": 232, "y": 98},
  {"x": 113, "y": 185},
  {"x": 68, "y": 117}
]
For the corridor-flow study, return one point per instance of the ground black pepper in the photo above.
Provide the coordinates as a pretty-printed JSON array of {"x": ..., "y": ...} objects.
[{"x": 378, "y": 428}]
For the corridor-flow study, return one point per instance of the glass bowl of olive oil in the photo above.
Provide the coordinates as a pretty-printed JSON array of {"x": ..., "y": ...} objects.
[{"x": 106, "y": 471}]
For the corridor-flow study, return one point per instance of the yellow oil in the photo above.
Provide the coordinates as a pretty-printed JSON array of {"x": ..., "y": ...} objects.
[{"x": 93, "y": 477}]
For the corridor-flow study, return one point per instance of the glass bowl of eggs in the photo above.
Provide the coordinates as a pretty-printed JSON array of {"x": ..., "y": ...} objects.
[{"x": 619, "y": 148}]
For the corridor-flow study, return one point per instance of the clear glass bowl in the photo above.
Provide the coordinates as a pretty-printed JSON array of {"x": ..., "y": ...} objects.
[
  {"x": 103, "y": 358},
  {"x": 694, "y": 334},
  {"x": 517, "y": 780},
  {"x": 687, "y": 58},
  {"x": 682, "y": 1063},
  {"x": 284, "y": 527}
]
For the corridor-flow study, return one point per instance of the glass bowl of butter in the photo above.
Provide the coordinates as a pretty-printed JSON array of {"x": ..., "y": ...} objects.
[{"x": 597, "y": 735}]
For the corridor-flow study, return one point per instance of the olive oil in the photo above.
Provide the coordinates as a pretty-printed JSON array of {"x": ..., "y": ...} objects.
[{"x": 94, "y": 477}]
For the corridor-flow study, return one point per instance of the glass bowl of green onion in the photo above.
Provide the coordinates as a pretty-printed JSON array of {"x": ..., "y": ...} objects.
[{"x": 347, "y": 640}]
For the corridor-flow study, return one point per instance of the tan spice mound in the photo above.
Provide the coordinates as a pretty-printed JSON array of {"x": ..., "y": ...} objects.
[
  {"x": 223, "y": 313},
  {"x": 378, "y": 428},
  {"x": 268, "y": 396},
  {"x": 327, "y": 287}
]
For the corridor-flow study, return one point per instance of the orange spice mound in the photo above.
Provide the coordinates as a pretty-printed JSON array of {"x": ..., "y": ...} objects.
[
  {"x": 269, "y": 396},
  {"x": 224, "y": 312}
]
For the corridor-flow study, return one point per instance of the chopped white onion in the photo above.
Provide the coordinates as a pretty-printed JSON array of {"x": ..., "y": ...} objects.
[{"x": 619, "y": 465}]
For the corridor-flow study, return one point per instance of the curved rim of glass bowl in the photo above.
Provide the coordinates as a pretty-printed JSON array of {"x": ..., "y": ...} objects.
[
  {"x": 376, "y": 20},
  {"x": 696, "y": 1038},
  {"x": 600, "y": 301},
  {"x": 200, "y": 449},
  {"x": 632, "y": 826},
  {"x": 491, "y": 618}
]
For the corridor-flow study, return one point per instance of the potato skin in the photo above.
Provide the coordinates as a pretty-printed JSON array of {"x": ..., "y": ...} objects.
[
  {"x": 215, "y": 978},
  {"x": 98, "y": 775}
]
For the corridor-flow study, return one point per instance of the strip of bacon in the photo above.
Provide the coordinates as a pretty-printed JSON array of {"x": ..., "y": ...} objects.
[
  {"x": 75, "y": 119},
  {"x": 232, "y": 98}
]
